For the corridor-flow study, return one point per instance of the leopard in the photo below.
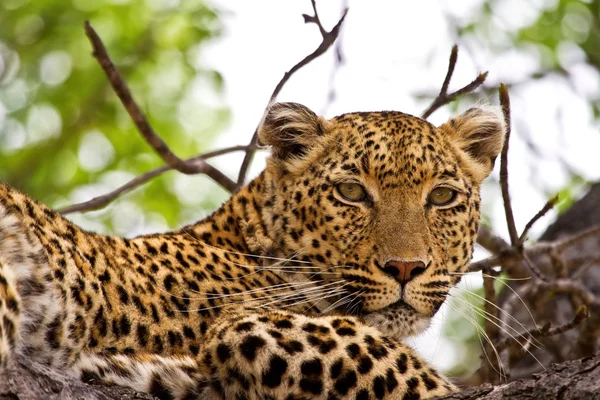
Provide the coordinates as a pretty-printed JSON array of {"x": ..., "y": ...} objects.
[{"x": 304, "y": 284}]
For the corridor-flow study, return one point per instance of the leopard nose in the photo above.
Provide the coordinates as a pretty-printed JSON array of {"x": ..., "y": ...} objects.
[{"x": 404, "y": 271}]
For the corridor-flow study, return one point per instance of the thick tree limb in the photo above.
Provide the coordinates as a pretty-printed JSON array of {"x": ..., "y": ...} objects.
[
  {"x": 26, "y": 380},
  {"x": 575, "y": 380}
]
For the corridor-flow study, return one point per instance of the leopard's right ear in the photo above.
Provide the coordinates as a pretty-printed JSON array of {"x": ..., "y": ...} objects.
[{"x": 291, "y": 129}]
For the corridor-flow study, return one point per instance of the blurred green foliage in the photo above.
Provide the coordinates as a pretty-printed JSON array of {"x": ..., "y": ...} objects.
[{"x": 64, "y": 136}]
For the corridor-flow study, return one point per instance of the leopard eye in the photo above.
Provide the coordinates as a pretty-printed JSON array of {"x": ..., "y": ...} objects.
[
  {"x": 352, "y": 191},
  {"x": 441, "y": 196}
]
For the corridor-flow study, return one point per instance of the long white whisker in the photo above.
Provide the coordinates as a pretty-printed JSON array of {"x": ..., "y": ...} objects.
[
  {"x": 490, "y": 317},
  {"x": 318, "y": 289},
  {"x": 483, "y": 334},
  {"x": 503, "y": 312}
]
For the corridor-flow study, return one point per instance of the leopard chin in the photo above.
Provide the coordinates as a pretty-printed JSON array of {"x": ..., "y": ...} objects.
[{"x": 398, "y": 320}]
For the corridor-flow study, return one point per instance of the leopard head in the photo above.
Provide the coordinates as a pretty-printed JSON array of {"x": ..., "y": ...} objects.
[{"x": 384, "y": 203}]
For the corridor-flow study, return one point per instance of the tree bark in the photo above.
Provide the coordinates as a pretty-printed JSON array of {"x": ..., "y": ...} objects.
[
  {"x": 578, "y": 379},
  {"x": 26, "y": 380}
]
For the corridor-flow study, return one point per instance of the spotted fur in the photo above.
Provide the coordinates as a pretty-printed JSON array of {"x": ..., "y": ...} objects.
[{"x": 282, "y": 293}]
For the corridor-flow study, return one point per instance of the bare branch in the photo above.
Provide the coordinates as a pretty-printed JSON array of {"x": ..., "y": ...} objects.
[
  {"x": 572, "y": 287},
  {"x": 547, "y": 207},
  {"x": 491, "y": 242},
  {"x": 547, "y": 330},
  {"x": 443, "y": 97},
  {"x": 510, "y": 219},
  {"x": 451, "y": 66},
  {"x": 536, "y": 271},
  {"x": 561, "y": 245},
  {"x": 328, "y": 39},
  {"x": 140, "y": 121},
  {"x": 485, "y": 264},
  {"x": 102, "y": 201}
]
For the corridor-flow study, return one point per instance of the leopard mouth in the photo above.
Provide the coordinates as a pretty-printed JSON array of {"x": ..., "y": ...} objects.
[{"x": 399, "y": 320}]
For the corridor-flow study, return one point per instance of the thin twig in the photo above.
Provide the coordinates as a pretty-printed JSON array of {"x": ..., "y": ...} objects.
[
  {"x": 547, "y": 330},
  {"x": 142, "y": 124},
  {"x": 536, "y": 271},
  {"x": 547, "y": 207},
  {"x": 561, "y": 245},
  {"x": 340, "y": 59},
  {"x": 328, "y": 39},
  {"x": 570, "y": 286},
  {"x": 443, "y": 97},
  {"x": 102, "y": 201},
  {"x": 510, "y": 219}
]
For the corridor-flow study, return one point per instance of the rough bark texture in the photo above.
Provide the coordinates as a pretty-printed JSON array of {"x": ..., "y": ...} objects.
[
  {"x": 579, "y": 379},
  {"x": 25, "y": 380}
]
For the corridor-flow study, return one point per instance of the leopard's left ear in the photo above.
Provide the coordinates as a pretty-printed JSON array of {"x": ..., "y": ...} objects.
[
  {"x": 291, "y": 129},
  {"x": 478, "y": 134}
]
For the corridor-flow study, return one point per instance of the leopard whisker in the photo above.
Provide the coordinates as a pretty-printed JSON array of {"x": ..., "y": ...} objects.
[
  {"x": 312, "y": 291},
  {"x": 483, "y": 333},
  {"x": 333, "y": 293},
  {"x": 212, "y": 296},
  {"x": 342, "y": 301},
  {"x": 503, "y": 282},
  {"x": 504, "y": 312},
  {"x": 492, "y": 276},
  {"x": 227, "y": 304},
  {"x": 491, "y": 317},
  {"x": 240, "y": 253}
]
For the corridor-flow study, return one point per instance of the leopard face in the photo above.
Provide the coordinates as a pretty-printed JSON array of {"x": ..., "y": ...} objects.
[{"x": 382, "y": 205}]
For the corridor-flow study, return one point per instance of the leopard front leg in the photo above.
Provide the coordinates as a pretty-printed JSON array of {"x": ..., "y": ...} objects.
[
  {"x": 26, "y": 300},
  {"x": 280, "y": 355},
  {"x": 285, "y": 355},
  {"x": 9, "y": 314}
]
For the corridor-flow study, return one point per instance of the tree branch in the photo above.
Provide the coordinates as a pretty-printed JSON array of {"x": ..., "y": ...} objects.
[
  {"x": 443, "y": 97},
  {"x": 510, "y": 219},
  {"x": 328, "y": 39},
  {"x": 140, "y": 121},
  {"x": 102, "y": 201}
]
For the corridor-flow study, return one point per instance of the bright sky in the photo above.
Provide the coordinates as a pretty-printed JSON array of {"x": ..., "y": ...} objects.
[{"x": 394, "y": 49}]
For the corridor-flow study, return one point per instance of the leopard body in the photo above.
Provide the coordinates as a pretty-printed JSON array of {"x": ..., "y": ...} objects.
[{"x": 290, "y": 290}]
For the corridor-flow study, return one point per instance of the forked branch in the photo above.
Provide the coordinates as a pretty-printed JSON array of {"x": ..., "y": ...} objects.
[
  {"x": 141, "y": 122},
  {"x": 197, "y": 164},
  {"x": 444, "y": 97},
  {"x": 329, "y": 38}
]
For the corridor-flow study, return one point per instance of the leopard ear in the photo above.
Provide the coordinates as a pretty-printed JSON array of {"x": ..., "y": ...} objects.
[
  {"x": 478, "y": 134},
  {"x": 291, "y": 129}
]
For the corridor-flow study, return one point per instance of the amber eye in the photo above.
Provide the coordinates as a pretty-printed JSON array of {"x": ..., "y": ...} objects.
[
  {"x": 441, "y": 196},
  {"x": 352, "y": 191}
]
